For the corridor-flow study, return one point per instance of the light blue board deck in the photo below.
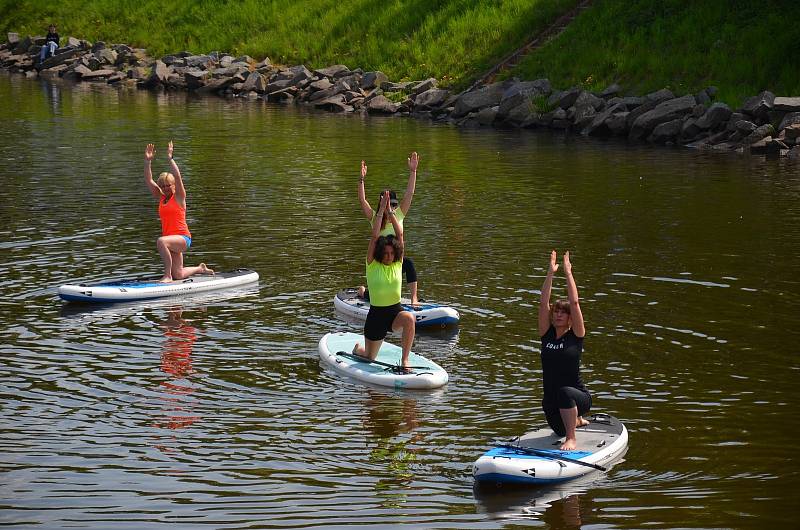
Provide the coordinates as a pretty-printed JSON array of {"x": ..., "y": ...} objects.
[{"x": 389, "y": 354}]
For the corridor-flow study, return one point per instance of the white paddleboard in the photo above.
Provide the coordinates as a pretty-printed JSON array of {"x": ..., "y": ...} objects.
[
  {"x": 335, "y": 351},
  {"x": 427, "y": 314},
  {"x": 126, "y": 290},
  {"x": 535, "y": 458}
]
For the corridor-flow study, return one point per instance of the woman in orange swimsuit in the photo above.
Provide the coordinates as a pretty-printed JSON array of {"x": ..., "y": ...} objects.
[{"x": 175, "y": 236}]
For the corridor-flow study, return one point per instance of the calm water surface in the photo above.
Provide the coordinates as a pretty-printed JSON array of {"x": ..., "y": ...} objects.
[{"x": 214, "y": 412}]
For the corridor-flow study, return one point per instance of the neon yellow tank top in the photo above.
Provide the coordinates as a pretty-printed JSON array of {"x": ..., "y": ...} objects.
[
  {"x": 384, "y": 282},
  {"x": 389, "y": 230}
]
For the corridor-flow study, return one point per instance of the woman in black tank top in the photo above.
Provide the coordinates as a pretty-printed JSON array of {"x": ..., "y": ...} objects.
[{"x": 561, "y": 329}]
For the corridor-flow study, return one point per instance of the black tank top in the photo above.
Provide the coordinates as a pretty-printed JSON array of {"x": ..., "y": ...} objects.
[{"x": 561, "y": 362}]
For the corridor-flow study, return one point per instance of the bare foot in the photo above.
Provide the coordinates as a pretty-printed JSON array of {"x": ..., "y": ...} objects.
[
  {"x": 569, "y": 444},
  {"x": 165, "y": 279},
  {"x": 361, "y": 291},
  {"x": 581, "y": 422},
  {"x": 205, "y": 270}
]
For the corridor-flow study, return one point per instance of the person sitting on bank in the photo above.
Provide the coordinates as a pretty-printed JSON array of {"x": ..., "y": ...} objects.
[
  {"x": 562, "y": 330},
  {"x": 51, "y": 43}
]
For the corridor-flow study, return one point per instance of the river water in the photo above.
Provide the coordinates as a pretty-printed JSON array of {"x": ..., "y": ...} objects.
[{"x": 214, "y": 412}]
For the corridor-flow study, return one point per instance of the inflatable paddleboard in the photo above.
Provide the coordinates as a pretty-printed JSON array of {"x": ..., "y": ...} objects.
[
  {"x": 534, "y": 458},
  {"x": 335, "y": 351},
  {"x": 427, "y": 314},
  {"x": 126, "y": 290}
]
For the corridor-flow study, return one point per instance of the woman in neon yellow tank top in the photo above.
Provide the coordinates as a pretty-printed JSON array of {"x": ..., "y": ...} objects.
[{"x": 384, "y": 277}]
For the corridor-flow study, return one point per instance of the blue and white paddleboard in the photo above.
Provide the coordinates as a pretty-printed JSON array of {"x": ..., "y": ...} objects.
[
  {"x": 535, "y": 458},
  {"x": 126, "y": 290},
  {"x": 427, "y": 314},
  {"x": 335, "y": 351}
]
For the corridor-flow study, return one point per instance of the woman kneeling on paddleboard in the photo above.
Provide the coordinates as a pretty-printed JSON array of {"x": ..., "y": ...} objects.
[
  {"x": 561, "y": 328},
  {"x": 175, "y": 236},
  {"x": 384, "y": 278}
]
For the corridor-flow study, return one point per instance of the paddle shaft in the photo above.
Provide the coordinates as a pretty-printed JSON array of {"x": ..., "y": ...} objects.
[
  {"x": 545, "y": 454},
  {"x": 359, "y": 358}
]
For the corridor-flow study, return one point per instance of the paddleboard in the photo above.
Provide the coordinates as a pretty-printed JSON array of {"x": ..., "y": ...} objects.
[
  {"x": 427, "y": 314},
  {"x": 534, "y": 458},
  {"x": 335, "y": 351},
  {"x": 126, "y": 290}
]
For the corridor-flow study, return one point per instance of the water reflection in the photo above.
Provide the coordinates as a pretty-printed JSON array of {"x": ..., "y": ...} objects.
[
  {"x": 392, "y": 420},
  {"x": 176, "y": 362}
]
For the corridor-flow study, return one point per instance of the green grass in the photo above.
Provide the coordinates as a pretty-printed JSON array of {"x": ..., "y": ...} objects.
[
  {"x": 452, "y": 40},
  {"x": 740, "y": 46}
]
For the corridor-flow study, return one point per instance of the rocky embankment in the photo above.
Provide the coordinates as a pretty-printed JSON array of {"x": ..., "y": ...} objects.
[{"x": 765, "y": 124}]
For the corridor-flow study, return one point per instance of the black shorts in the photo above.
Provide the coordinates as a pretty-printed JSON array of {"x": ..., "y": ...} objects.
[
  {"x": 566, "y": 398},
  {"x": 379, "y": 321}
]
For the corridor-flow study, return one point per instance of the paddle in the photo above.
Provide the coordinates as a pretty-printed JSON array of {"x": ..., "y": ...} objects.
[
  {"x": 546, "y": 454},
  {"x": 394, "y": 367}
]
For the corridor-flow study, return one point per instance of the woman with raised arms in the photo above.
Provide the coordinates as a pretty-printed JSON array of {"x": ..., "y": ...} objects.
[
  {"x": 175, "y": 236},
  {"x": 561, "y": 328},
  {"x": 387, "y": 228}
]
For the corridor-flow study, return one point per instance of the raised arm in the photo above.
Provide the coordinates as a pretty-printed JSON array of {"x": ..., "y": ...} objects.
[
  {"x": 398, "y": 228},
  {"x": 376, "y": 228},
  {"x": 149, "y": 154},
  {"x": 362, "y": 196},
  {"x": 544, "y": 303},
  {"x": 574, "y": 306},
  {"x": 408, "y": 196},
  {"x": 180, "y": 190}
]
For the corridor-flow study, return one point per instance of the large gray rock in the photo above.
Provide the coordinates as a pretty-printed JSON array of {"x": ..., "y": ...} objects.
[
  {"x": 666, "y": 132},
  {"x": 689, "y": 129},
  {"x": 760, "y": 105},
  {"x": 199, "y": 61},
  {"x": 98, "y": 74},
  {"x": 217, "y": 85},
  {"x": 487, "y": 96},
  {"x": 519, "y": 115},
  {"x": 12, "y": 39},
  {"x": 106, "y": 56},
  {"x": 611, "y": 91},
  {"x": 646, "y": 106},
  {"x": 422, "y": 86},
  {"x": 59, "y": 58},
  {"x": 381, "y": 105},
  {"x": 322, "y": 84},
  {"x": 337, "y": 70},
  {"x": 659, "y": 96},
  {"x": 522, "y": 92},
  {"x": 745, "y": 127},
  {"x": 335, "y": 103},
  {"x": 487, "y": 116},
  {"x": 159, "y": 75},
  {"x": 432, "y": 98},
  {"x": 663, "y": 112},
  {"x": 373, "y": 80},
  {"x": 253, "y": 81},
  {"x": 717, "y": 114},
  {"x": 196, "y": 78},
  {"x": 790, "y": 119},
  {"x": 587, "y": 98},
  {"x": 786, "y": 104},
  {"x": 633, "y": 102},
  {"x": 599, "y": 124},
  {"x": 759, "y": 133},
  {"x": 565, "y": 99}
]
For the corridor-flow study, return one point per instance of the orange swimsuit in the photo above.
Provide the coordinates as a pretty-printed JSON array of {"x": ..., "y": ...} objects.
[{"x": 173, "y": 218}]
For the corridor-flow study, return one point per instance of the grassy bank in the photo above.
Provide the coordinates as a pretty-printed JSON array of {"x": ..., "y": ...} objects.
[
  {"x": 740, "y": 46},
  {"x": 451, "y": 40}
]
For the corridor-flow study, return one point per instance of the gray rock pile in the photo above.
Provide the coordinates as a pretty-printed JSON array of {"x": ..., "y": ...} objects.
[{"x": 765, "y": 124}]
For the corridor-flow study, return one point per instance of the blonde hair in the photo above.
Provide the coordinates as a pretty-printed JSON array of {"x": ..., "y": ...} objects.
[{"x": 165, "y": 178}]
